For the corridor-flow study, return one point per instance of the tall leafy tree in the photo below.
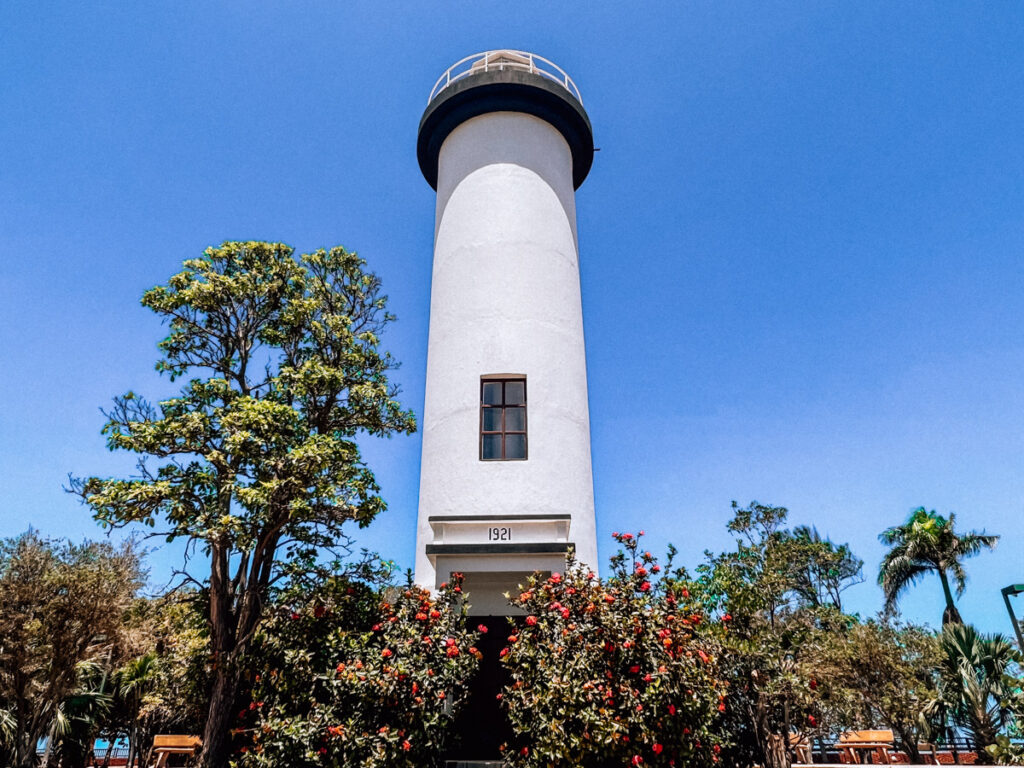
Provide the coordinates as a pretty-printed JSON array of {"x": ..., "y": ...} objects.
[
  {"x": 255, "y": 461},
  {"x": 777, "y": 597},
  {"x": 928, "y": 543}
]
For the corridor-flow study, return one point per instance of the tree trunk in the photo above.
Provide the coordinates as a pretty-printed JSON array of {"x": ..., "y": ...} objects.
[
  {"x": 109, "y": 753},
  {"x": 25, "y": 751},
  {"x": 776, "y": 753},
  {"x": 908, "y": 742},
  {"x": 218, "y": 719},
  {"x": 951, "y": 615}
]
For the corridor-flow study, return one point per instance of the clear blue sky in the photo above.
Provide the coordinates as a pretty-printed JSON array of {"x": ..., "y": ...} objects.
[{"x": 801, "y": 240}]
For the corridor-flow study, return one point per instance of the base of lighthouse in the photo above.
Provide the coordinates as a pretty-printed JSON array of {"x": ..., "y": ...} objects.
[{"x": 496, "y": 554}]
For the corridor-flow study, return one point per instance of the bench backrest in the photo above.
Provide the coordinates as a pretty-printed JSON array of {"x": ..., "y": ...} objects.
[
  {"x": 854, "y": 737},
  {"x": 175, "y": 741}
]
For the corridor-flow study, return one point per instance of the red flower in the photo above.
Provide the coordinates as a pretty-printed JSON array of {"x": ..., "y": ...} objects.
[
  {"x": 814, "y": 684},
  {"x": 727, "y": 617},
  {"x": 671, "y": 709},
  {"x": 645, "y": 586},
  {"x": 406, "y": 746},
  {"x": 609, "y": 599},
  {"x": 295, "y": 616},
  {"x": 812, "y": 720},
  {"x": 504, "y": 653},
  {"x": 556, "y": 578},
  {"x": 513, "y": 638},
  {"x": 319, "y": 611},
  {"x": 453, "y": 652},
  {"x": 721, "y": 706},
  {"x": 531, "y": 621},
  {"x": 637, "y": 760},
  {"x": 524, "y": 751},
  {"x": 435, "y": 614},
  {"x": 634, "y": 669},
  {"x": 482, "y": 628},
  {"x": 656, "y": 748},
  {"x": 421, "y": 616},
  {"x": 565, "y": 613},
  {"x": 386, "y": 653}
]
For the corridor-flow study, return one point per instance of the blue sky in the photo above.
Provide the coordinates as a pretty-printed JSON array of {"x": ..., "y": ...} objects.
[{"x": 801, "y": 241}]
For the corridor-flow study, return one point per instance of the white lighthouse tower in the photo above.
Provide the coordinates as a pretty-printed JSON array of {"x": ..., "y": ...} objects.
[{"x": 506, "y": 484}]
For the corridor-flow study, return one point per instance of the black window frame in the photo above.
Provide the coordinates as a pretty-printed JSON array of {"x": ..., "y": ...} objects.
[{"x": 503, "y": 406}]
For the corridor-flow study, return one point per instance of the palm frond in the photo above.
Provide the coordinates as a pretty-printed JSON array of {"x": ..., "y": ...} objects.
[{"x": 897, "y": 573}]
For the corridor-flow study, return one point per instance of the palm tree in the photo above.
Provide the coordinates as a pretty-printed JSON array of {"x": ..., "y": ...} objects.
[
  {"x": 927, "y": 542},
  {"x": 973, "y": 682}
]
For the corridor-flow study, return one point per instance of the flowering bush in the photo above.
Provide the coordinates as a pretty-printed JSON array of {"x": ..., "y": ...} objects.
[
  {"x": 611, "y": 673},
  {"x": 358, "y": 676}
]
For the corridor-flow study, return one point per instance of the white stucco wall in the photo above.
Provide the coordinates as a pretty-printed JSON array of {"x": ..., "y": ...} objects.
[{"x": 505, "y": 299}]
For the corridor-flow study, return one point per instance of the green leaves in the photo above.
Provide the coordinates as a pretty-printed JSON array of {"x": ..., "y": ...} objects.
[{"x": 285, "y": 372}]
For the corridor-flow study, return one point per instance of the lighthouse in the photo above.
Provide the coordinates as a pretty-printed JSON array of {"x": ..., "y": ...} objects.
[{"x": 506, "y": 484}]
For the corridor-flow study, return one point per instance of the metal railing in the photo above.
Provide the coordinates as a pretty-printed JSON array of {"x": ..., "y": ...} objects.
[{"x": 492, "y": 61}]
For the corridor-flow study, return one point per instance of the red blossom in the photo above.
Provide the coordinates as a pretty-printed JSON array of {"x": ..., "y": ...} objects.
[
  {"x": 531, "y": 621},
  {"x": 482, "y": 628},
  {"x": 386, "y": 653}
]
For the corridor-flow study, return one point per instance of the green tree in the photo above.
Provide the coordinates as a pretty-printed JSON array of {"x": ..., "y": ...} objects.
[
  {"x": 618, "y": 672},
  {"x": 975, "y": 683},
  {"x": 777, "y": 595},
  {"x": 348, "y": 673},
  {"x": 255, "y": 461},
  {"x": 890, "y": 672},
  {"x": 926, "y": 543},
  {"x": 62, "y": 609}
]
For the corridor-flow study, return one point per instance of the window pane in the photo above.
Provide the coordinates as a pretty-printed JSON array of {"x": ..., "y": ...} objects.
[
  {"x": 515, "y": 446},
  {"x": 492, "y": 419},
  {"x": 492, "y": 447},
  {"x": 515, "y": 419},
  {"x": 515, "y": 392},
  {"x": 492, "y": 392}
]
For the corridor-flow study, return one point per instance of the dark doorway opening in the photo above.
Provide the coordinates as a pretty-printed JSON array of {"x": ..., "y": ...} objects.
[{"x": 482, "y": 727}]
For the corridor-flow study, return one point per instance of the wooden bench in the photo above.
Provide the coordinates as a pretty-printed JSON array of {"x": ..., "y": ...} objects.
[
  {"x": 801, "y": 748},
  {"x": 165, "y": 745},
  {"x": 877, "y": 744}
]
